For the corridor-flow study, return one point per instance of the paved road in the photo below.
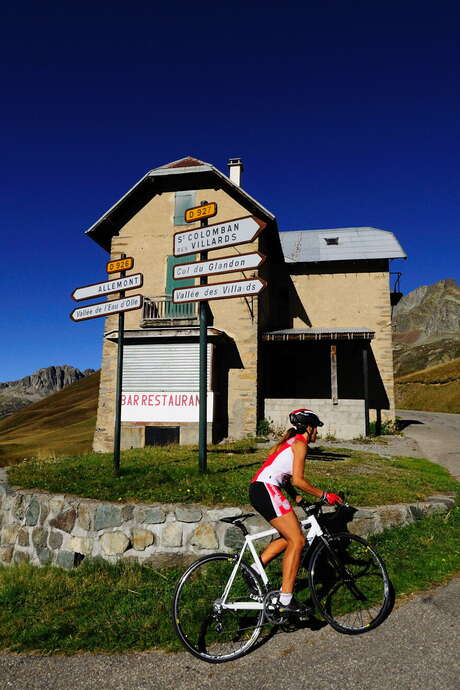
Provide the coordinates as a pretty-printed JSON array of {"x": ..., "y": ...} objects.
[
  {"x": 437, "y": 435},
  {"x": 417, "y": 647}
]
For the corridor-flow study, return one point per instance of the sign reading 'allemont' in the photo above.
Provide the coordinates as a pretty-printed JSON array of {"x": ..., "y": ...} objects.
[
  {"x": 108, "y": 287},
  {"x": 234, "y": 288},
  {"x": 228, "y": 234}
]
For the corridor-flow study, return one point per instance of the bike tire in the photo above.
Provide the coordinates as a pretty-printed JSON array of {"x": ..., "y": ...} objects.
[
  {"x": 209, "y": 634},
  {"x": 349, "y": 584}
]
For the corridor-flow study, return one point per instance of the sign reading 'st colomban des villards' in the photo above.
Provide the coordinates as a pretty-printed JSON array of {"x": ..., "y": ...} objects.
[{"x": 227, "y": 234}]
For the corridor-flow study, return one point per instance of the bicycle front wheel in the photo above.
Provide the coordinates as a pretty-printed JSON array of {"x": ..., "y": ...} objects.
[
  {"x": 205, "y": 626},
  {"x": 349, "y": 584}
]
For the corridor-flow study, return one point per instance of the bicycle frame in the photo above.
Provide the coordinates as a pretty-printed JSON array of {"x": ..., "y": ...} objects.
[{"x": 314, "y": 530}]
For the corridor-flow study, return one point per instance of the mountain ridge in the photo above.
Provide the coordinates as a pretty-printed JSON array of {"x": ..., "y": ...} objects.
[
  {"x": 16, "y": 395},
  {"x": 426, "y": 327}
]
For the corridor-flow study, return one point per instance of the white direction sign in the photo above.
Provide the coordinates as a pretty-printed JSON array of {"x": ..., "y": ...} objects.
[
  {"x": 235, "y": 288},
  {"x": 93, "y": 311},
  {"x": 108, "y": 287},
  {"x": 219, "y": 236},
  {"x": 224, "y": 264}
]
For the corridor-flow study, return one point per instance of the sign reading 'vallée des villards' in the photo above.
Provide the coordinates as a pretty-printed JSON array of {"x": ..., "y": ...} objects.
[
  {"x": 233, "y": 288},
  {"x": 227, "y": 234}
]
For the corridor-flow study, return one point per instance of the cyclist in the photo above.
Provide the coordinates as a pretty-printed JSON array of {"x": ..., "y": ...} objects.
[{"x": 285, "y": 468}]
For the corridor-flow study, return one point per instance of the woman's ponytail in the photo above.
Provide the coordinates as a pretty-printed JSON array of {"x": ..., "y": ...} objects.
[{"x": 285, "y": 437}]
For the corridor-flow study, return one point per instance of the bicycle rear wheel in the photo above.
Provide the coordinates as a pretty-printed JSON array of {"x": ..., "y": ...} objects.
[
  {"x": 349, "y": 584},
  {"x": 207, "y": 630}
]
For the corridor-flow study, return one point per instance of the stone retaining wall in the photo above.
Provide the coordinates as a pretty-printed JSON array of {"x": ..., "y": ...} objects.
[{"x": 43, "y": 529}]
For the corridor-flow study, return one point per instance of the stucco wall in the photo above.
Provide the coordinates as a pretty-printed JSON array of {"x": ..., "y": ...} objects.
[
  {"x": 352, "y": 296},
  {"x": 148, "y": 237}
]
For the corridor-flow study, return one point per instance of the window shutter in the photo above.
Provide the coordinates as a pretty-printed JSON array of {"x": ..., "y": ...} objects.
[{"x": 183, "y": 201}]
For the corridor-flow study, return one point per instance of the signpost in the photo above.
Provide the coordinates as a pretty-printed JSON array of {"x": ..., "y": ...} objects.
[
  {"x": 118, "y": 306},
  {"x": 219, "y": 236},
  {"x": 223, "y": 264},
  {"x": 208, "y": 237}
]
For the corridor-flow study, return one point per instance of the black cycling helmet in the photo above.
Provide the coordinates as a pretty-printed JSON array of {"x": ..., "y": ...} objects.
[{"x": 302, "y": 418}]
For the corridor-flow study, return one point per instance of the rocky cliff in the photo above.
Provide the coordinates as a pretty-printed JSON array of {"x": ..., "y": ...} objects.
[
  {"x": 426, "y": 327},
  {"x": 15, "y": 395}
]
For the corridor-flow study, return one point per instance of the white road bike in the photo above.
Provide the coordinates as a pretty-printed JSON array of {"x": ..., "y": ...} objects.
[{"x": 221, "y": 604}]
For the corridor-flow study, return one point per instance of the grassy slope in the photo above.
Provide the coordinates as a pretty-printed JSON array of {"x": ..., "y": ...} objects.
[
  {"x": 436, "y": 389},
  {"x": 59, "y": 424}
]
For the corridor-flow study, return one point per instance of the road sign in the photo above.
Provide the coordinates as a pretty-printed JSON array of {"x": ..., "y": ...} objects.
[
  {"x": 108, "y": 287},
  {"x": 120, "y": 265},
  {"x": 224, "y": 264},
  {"x": 235, "y": 288},
  {"x": 200, "y": 212},
  {"x": 93, "y": 311},
  {"x": 219, "y": 236}
]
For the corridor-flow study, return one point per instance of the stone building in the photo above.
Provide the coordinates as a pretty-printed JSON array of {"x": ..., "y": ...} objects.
[{"x": 318, "y": 336}]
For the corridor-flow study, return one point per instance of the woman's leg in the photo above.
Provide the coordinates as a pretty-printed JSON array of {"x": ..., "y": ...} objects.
[
  {"x": 275, "y": 547},
  {"x": 289, "y": 527}
]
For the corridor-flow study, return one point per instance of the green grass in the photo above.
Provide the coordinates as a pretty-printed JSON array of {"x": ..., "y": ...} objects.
[
  {"x": 125, "y": 607},
  {"x": 170, "y": 474}
]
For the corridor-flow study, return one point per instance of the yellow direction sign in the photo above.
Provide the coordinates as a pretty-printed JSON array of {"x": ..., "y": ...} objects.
[
  {"x": 120, "y": 265},
  {"x": 200, "y": 212}
]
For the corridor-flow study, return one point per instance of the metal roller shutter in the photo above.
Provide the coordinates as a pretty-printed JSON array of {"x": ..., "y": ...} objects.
[{"x": 157, "y": 367}]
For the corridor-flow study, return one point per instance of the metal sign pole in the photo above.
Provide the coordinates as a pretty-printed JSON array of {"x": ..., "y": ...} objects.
[
  {"x": 203, "y": 310},
  {"x": 117, "y": 433}
]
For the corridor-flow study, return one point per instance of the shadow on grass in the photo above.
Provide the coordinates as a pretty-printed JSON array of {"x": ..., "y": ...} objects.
[{"x": 327, "y": 456}]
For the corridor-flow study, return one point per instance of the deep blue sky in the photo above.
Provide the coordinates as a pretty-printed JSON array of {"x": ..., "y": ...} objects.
[{"x": 345, "y": 114}]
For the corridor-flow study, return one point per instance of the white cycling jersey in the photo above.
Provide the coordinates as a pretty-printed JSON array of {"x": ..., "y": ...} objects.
[{"x": 278, "y": 466}]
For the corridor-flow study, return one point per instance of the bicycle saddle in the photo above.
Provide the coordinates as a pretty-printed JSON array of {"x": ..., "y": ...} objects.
[{"x": 236, "y": 518}]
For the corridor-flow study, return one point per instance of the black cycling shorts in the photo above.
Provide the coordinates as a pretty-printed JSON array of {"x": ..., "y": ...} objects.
[{"x": 268, "y": 500}]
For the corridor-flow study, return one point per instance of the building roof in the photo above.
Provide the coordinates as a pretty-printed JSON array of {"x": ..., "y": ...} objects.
[
  {"x": 183, "y": 174},
  {"x": 319, "y": 334},
  {"x": 340, "y": 244}
]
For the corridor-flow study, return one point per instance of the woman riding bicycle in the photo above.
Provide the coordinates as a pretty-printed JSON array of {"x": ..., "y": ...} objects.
[{"x": 285, "y": 468}]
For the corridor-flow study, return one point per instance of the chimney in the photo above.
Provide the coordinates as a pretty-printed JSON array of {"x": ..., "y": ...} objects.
[{"x": 235, "y": 168}]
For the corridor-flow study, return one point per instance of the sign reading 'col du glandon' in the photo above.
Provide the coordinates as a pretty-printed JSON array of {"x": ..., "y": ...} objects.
[
  {"x": 227, "y": 234},
  {"x": 223, "y": 264}
]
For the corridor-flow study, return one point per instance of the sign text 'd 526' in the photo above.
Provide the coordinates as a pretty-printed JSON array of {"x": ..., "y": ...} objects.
[
  {"x": 234, "y": 288},
  {"x": 219, "y": 236},
  {"x": 93, "y": 311}
]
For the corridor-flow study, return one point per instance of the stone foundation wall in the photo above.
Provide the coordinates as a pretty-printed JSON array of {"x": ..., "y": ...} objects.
[
  {"x": 345, "y": 420},
  {"x": 44, "y": 529}
]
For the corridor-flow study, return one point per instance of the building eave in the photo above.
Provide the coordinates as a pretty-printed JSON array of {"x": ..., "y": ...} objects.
[{"x": 155, "y": 182}]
